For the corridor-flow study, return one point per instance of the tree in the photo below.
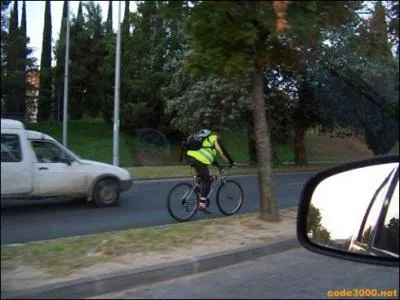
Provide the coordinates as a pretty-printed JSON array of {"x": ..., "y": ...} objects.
[
  {"x": 322, "y": 236},
  {"x": 107, "y": 67},
  {"x": 210, "y": 102},
  {"x": 126, "y": 70},
  {"x": 143, "y": 71},
  {"x": 4, "y": 39},
  {"x": 313, "y": 218},
  {"x": 241, "y": 39},
  {"x": 319, "y": 233},
  {"x": 95, "y": 87},
  {"x": 356, "y": 81},
  {"x": 59, "y": 53},
  {"x": 15, "y": 62},
  {"x": 12, "y": 85},
  {"x": 109, "y": 22},
  {"x": 45, "y": 88},
  {"x": 381, "y": 74},
  {"x": 23, "y": 57},
  {"x": 79, "y": 48}
]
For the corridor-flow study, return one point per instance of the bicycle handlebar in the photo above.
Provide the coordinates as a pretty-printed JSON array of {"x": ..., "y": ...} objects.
[{"x": 220, "y": 167}]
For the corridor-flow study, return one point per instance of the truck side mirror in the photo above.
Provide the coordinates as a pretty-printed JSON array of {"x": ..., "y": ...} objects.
[{"x": 67, "y": 161}]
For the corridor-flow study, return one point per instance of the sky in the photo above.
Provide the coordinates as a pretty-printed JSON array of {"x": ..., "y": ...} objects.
[
  {"x": 343, "y": 198},
  {"x": 35, "y": 19}
]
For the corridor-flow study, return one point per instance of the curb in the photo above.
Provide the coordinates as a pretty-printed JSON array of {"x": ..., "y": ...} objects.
[{"x": 120, "y": 280}]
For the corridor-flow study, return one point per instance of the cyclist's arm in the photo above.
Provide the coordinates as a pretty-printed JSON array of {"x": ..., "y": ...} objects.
[{"x": 221, "y": 152}]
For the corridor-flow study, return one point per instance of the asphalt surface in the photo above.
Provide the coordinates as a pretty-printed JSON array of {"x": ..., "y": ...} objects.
[
  {"x": 143, "y": 205},
  {"x": 294, "y": 274}
]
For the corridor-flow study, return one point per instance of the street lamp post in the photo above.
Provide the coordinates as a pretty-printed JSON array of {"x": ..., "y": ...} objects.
[
  {"x": 116, "y": 92},
  {"x": 65, "y": 108}
]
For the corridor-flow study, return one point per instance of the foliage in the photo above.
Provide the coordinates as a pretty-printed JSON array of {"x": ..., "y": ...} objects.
[
  {"x": 143, "y": 73},
  {"x": 16, "y": 61},
  {"x": 210, "y": 102},
  {"x": 136, "y": 115},
  {"x": 239, "y": 39},
  {"x": 45, "y": 88},
  {"x": 79, "y": 47},
  {"x": 356, "y": 82},
  {"x": 319, "y": 233},
  {"x": 322, "y": 236},
  {"x": 4, "y": 37},
  {"x": 224, "y": 64},
  {"x": 107, "y": 67},
  {"x": 58, "y": 73},
  {"x": 313, "y": 218},
  {"x": 95, "y": 83}
]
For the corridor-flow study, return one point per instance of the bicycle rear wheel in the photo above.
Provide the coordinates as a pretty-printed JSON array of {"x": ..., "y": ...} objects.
[
  {"x": 229, "y": 197},
  {"x": 182, "y": 202}
]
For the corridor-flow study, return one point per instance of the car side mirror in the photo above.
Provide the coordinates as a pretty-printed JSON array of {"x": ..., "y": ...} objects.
[
  {"x": 352, "y": 212},
  {"x": 67, "y": 161}
]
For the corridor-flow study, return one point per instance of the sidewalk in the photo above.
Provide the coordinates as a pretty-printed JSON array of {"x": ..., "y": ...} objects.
[{"x": 241, "y": 238}]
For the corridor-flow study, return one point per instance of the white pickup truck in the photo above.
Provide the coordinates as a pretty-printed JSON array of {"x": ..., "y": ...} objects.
[{"x": 35, "y": 166}]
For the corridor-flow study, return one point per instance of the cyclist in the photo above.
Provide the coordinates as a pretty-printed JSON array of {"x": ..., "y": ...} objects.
[{"x": 202, "y": 158}]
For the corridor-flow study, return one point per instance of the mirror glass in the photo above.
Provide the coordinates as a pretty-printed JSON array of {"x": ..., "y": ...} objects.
[{"x": 357, "y": 211}]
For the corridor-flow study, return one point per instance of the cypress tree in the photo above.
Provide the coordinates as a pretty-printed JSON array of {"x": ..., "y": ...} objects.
[
  {"x": 11, "y": 101},
  {"x": 125, "y": 56},
  {"x": 23, "y": 61},
  {"x": 45, "y": 89},
  {"x": 60, "y": 66},
  {"x": 23, "y": 20},
  {"x": 126, "y": 13},
  {"x": 109, "y": 23},
  {"x": 108, "y": 67},
  {"x": 4, "y": 43},
  {"x": 14, "y": 18},
  {"x": 79, "y": 49}
]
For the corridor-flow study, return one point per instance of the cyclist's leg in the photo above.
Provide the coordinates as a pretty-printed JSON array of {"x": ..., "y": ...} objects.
[{"x": 204, "y": 174}]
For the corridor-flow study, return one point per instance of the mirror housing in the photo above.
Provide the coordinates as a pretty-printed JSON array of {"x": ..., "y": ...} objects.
[
  {"x": 351, "y": 216},
  {"x": 67, "y": 161}
]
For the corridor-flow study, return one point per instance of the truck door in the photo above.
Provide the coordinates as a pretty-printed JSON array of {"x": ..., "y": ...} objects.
[
  {"x": 56, "y": 172},
  {"x": 16, "y": 173}
]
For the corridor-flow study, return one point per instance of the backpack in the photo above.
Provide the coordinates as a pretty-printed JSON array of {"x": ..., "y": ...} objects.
[{"x": 195, "y": 141}]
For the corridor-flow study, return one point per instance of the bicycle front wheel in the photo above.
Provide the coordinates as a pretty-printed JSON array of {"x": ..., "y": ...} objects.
[
  {"x": 229, "y": 197},
  {"x": 182, "y": 202}
]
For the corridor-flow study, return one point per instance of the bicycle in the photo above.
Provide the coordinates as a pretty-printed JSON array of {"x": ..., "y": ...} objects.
[{"x": 186, "y": 196}]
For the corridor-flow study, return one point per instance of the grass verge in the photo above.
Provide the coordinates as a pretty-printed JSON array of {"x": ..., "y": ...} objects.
[
  {"x": 92, "y": 139},
  {"x": 61, "y": 257},
  {"x": 89, "y": 139}
]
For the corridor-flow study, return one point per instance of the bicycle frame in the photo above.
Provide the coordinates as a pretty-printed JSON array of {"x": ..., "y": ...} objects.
[{"x": 217, "y": 180}]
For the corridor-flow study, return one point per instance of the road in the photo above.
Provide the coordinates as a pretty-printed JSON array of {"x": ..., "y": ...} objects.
[
  {"x": 143, "y": 205},
  {"x": 294, "y": 274}
]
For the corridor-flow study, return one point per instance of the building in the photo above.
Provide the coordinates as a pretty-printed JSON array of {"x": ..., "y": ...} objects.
[{"x": 32, "y": 96}]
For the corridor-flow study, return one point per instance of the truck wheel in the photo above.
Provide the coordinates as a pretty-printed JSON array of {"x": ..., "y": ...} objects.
[{"x": 106, "y": 193}]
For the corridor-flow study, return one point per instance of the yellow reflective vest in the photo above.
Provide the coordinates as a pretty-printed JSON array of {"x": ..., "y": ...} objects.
[{"x": 207, "y": 153}]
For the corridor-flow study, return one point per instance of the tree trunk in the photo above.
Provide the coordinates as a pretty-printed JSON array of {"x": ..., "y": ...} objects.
[{"x": 268, "y": 210}]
